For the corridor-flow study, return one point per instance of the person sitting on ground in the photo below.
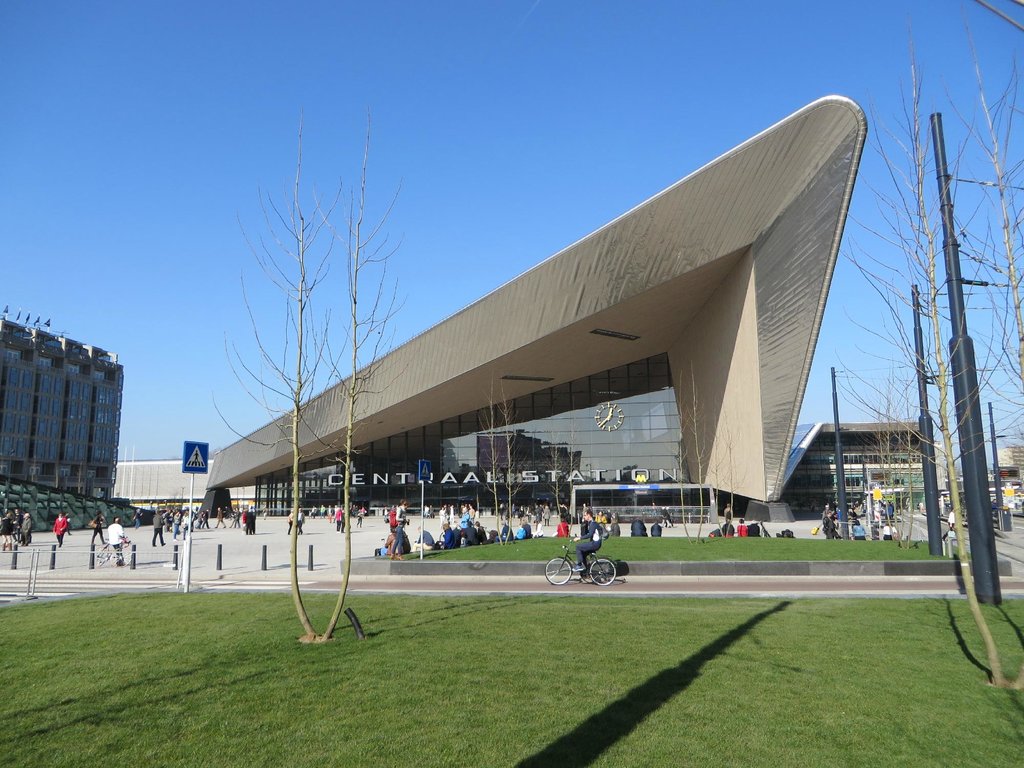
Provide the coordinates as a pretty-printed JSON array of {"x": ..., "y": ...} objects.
[
  {"x": 728, "y": 529},
  {"x": 656, "y": 531},
  {"x": 859, "y": 534},
  {"x": 591, "y": 538},
  {"x": 754, "y": 529},
  {"x": 447, "y": 537},
  {"x": 481, "y": 533},
  {"x": 527, "y": 527},
  {"x": 424, "y": 541},
  {"x": 521, "y": 531},
  {"x": 741, "y": 529},
  {"x": 614, "y": 529},
  {"x": 887, "y": 532},
  {"x": 562, "y": 532},
  {"x": 638, "y": 528},
  {"x": 469, "y": 536},
  {"x": 399, "y": 543}
]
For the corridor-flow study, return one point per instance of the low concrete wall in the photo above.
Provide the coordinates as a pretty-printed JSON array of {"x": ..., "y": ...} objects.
[{"x": 811, "y": 568}]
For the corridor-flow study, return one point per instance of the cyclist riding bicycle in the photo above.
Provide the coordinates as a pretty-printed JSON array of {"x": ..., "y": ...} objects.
[{"x": 590, "y": 540}]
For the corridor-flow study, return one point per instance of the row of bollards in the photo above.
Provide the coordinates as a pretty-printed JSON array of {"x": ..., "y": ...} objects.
[
  {"x": 263, "y": 558},
  {"x": 133, "y": 557}
]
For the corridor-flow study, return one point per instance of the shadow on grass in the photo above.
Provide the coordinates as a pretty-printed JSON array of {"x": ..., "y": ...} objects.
[
  {"x": 1012, "y": 623},
  {"x": 447, "y": 612},
  {"x": 110, "y": 708},
  {"x": 591, "y": 738},
  {"x": 960, "y": 641}
]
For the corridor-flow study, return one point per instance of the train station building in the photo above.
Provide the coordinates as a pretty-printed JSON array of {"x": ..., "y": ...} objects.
[{"x": 671, "y": 345}]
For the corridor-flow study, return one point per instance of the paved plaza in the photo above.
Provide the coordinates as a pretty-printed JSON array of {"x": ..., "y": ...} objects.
[{"x": 242, "y": 567}]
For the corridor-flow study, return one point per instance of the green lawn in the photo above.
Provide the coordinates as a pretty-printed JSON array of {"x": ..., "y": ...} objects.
[
  {"x": 219, "y": 680},
  {"x": 648, "y": 549}
]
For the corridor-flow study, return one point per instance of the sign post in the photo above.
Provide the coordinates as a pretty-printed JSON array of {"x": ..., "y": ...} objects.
[
  {"x": 423, "y": 473},
  {"x": 195, "y": 460}
]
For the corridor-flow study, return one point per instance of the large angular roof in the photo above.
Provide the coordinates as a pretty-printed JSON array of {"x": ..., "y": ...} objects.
[{"x": 740, "y": 253}]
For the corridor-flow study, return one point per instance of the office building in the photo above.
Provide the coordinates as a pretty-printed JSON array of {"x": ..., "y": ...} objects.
[{"x": 60, "y": 410}]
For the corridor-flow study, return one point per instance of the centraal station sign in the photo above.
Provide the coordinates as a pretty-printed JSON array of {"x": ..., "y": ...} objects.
[{"x": 525, "y": 476}]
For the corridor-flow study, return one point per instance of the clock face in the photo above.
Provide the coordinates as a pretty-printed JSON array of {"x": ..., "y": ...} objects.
[{"x": 609, "y": 416}]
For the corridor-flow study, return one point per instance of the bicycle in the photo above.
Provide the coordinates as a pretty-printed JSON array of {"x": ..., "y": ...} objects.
[
  {"x": 107, "y": 554},
  {"x": 560, "y": 569}
]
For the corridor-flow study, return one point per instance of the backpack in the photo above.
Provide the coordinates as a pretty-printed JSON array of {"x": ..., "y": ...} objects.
[{"x": 393, "y": 517}]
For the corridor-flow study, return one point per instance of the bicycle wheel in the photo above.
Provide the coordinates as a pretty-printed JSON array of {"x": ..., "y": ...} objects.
[
  {"x": 602, "y": 572},
  {"x": 558, "y": 570}
]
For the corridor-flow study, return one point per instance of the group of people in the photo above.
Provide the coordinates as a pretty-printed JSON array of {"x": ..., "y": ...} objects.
[
  {"x": 883, "y": 526},
  {"x": 15, "y": 528}
]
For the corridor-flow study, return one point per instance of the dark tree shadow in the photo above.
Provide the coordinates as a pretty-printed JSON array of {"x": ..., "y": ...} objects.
[
  {"x": 450, "y": 610},
  {"x": 1012, "y": 623},
  {"x": 591, "y": 738},
  {"x": 960, "y": 641}
]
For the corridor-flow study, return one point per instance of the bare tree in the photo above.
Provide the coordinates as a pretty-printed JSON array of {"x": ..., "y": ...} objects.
[
  {"x": 368, "y": 254},
  {"x": 692, "y": 459},
  {"x": 503, "y": 463},
  {"x": 296, "y": 255},
  {"x": 909, "y": 212}
]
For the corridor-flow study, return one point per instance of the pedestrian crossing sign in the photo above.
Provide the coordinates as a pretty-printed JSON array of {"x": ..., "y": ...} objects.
[{"x": 195, "y": 458}]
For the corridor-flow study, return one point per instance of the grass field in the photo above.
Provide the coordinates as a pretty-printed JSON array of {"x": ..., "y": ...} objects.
[
  {"x": 219, "y": 680},
  {"x": 648, "y": 549}
]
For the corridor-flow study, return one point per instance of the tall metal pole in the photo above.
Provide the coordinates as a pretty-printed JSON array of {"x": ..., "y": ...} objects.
[
  {"x": 996, "y": 479},
  {"x": 927, "y": 433},
  {"x": 840, "y": 469},
  {"x": 965, "y": 390}
]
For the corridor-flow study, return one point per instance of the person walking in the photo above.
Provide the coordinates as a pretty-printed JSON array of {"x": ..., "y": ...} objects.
[
  {"x": 158, "y": 527},
  {"x": 117, "y": 538},
  {"x": 60, "y": 527},
  {"x": 26, "y": 529},
  {"x": 7, "y": 531},
  {"x": 97, "y": 524},
  {"x": 220, "y": 518}
]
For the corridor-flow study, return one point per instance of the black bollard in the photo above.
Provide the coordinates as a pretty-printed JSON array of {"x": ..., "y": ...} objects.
[
  {"x": 355, "y": 624},
  {"x": 174, "y": 557},
  {"x": 220, "y": 561},
  {"x": 310, "y": 566},
  {"x": 92, "y": 557},
  {"x": 132, "y": 568},
  {"x": 53, "y": 557},
  {"x": 14, "y": 558},
  {"x": 263, "y": 565}
]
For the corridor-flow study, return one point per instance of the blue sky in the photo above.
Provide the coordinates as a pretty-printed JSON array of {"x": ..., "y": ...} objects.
[{"x": 135, "y": 137}]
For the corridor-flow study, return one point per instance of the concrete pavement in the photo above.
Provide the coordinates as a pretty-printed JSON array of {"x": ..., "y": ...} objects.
[{"x": 241, "y": 567}]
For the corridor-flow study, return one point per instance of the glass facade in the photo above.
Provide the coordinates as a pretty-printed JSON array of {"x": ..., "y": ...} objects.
[
  {"x": 875, "y": 457},
  {"x": 619, "y": 425},
  {"x": 60, "y": 411}
]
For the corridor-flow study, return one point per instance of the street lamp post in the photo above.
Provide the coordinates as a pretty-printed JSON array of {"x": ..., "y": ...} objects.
[
  {"x": 840, "y": 469},
  {"x": 965, "y": 390},
  {"x": 997, "y": 480},
  {"x": 925, "y": 428}
]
